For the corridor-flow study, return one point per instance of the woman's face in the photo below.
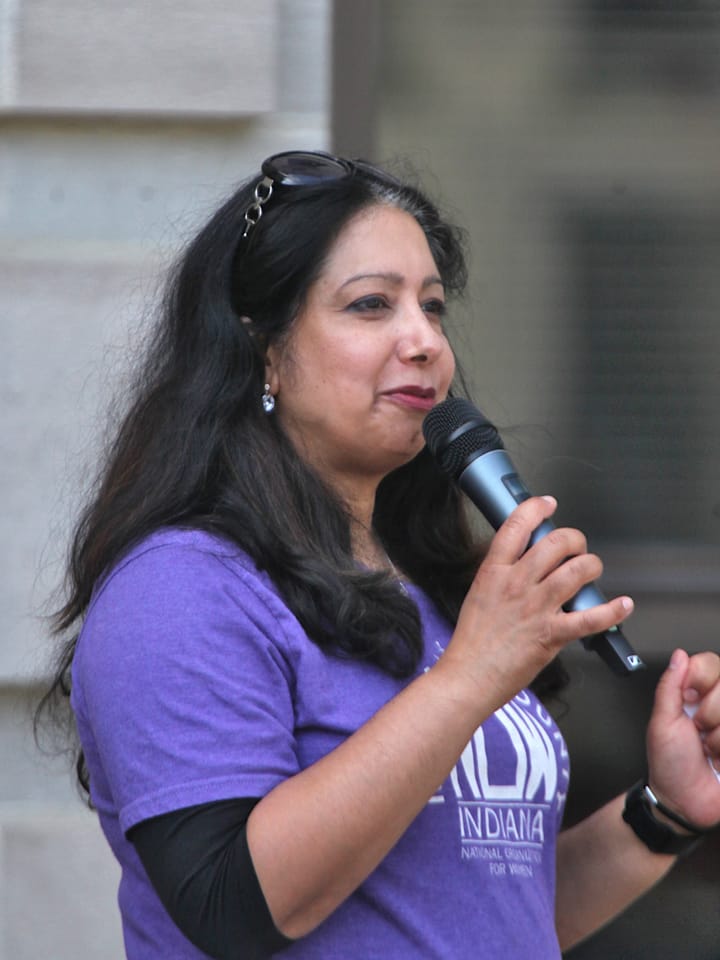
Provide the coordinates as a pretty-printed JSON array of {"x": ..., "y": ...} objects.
[{"x": 366, "y": 358}]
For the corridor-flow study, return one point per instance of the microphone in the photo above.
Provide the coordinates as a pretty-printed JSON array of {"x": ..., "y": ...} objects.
[{"x": 467, "y": 446}]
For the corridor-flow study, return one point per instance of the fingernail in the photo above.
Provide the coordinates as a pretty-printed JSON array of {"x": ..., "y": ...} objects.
[
  {"x": 551, "y": 500},
  {"x": 691, "y": 695},
  {"x": 675, "y": 660},
  {"x": 627, "y": 603}
]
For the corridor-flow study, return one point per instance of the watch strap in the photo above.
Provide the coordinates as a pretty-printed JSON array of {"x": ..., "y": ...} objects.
[{"x": 657, "y": 836}]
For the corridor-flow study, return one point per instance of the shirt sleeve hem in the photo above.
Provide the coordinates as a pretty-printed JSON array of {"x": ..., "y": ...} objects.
[{"x": 191, "y": 794}]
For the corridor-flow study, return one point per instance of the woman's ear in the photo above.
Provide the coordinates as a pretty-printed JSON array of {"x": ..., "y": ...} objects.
[{"x": 272, "y": 369}]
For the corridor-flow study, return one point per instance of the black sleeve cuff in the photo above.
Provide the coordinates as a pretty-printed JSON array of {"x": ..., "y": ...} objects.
[{"x": 199, "y": 863}]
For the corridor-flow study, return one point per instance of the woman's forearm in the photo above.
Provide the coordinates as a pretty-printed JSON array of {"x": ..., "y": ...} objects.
[
  {"x": 318, "y": 835},
  {"x": 602, "y": 867}
]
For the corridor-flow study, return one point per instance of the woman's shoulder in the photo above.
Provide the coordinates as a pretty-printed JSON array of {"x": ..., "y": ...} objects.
[
  {"x": 179, "y": 587},
  {"x": 182, "y": 541},
  {"x": 183, "y": 560}
]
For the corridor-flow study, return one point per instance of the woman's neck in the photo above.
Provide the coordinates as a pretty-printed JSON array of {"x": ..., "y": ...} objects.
[{"x": 367, "y": 548}]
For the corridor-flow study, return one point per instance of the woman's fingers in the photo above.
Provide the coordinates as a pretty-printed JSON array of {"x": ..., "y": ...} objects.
[
  {"x": 559, "y": 558},
  {"x": 586, "y": 623},
  {"x": 556, "y": 567},
  {"x": 701, "y": 694},
  {"x": 512, "y": 539},
  {"x": 512, "y": 622}
]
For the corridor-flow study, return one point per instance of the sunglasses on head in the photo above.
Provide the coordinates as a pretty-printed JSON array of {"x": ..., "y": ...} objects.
[{"x": 294, "y": 168}]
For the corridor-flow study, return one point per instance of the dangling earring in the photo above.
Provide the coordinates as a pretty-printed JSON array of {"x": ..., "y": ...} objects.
[{"x": 268, "y": 400}]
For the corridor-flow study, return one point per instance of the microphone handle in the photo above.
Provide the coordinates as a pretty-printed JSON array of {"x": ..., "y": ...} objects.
[{"x": 493, "y": 484}]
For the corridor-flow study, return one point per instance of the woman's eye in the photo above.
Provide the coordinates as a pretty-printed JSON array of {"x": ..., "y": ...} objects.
[
  {"x": 369, "y": 304},
  {"x": 435, "y": 307}
]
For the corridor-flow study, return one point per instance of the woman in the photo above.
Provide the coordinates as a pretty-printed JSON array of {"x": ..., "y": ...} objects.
[{"x": 301, "y": 691}]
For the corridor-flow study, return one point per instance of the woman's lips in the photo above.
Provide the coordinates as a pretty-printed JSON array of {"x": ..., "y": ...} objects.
[{"x": 417, "y": 398}]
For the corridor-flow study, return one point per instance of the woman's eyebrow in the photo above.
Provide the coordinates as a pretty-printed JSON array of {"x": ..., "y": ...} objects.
[{"x": 395, "y": 278}]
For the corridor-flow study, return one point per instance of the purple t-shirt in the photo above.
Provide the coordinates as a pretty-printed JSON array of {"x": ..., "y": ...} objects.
[{"x": 194, "y": 682}]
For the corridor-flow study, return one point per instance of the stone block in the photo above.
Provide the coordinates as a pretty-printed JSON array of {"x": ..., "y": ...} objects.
[
  {"x": 58, "y": 887},
  {"x": 125, "y": 186},
  {"x": 304, "y": 56},
  {"x": 66, "y": 335},
  {"x": 211, "y": 57}
]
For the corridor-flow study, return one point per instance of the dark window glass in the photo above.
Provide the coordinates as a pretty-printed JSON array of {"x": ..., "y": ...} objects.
[
  {"x": 644, "y": 421},
  {"x": 655, "y": 44}
]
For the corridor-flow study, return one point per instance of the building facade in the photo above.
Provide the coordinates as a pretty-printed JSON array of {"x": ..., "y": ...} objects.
[{"x": 576, "y": 141}]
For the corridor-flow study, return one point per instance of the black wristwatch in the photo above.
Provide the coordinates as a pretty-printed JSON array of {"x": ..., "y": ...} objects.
[{"x": 656, "y": 835}]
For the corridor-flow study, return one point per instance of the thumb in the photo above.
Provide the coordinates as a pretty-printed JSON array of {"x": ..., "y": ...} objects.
[{"x": 669, "y": 692}]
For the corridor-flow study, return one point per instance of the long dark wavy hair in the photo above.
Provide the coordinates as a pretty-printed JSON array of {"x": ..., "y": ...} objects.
[{"x": 195, "y": 448}]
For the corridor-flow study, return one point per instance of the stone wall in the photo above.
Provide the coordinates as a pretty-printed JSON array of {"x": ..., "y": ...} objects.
[{"x": 121, "y": 124}]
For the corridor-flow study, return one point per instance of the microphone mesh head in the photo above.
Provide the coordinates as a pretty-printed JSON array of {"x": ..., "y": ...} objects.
[{"x": 456, "y": 432}]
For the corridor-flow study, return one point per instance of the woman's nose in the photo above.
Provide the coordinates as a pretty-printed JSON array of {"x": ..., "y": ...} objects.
[{"x": 422, "y": 339}]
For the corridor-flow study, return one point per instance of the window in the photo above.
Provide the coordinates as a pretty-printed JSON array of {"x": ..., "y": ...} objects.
[
  {"x": 656, "y": 44},
  {"x": 644, "y": 420}
]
